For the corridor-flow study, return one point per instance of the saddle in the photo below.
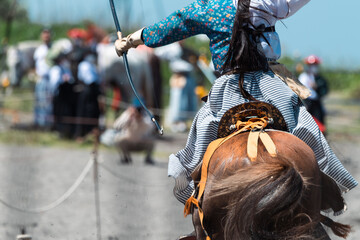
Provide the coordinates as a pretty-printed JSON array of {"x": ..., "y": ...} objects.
[{"x": 244, "y": 112}]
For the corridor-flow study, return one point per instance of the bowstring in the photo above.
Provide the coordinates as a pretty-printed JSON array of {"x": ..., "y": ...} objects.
[{"x": 127, "y": 68}]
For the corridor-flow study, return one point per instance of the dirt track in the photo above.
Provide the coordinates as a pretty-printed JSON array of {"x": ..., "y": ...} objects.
[{"x": 136, "y": 200}]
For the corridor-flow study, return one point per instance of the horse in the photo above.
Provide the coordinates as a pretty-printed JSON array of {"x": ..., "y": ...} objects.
[
  {"x": 20, "y": 60},
  {"x": 267, "y": 197}
]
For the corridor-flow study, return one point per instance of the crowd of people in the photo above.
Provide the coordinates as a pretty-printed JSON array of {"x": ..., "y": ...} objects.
[
  {"x": 67, "y": 90},
  {"x": 70, "y": 91}
]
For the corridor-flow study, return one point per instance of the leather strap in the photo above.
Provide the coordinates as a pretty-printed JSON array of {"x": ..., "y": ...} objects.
[
  {"x": 253, "y": 141},
  {"x": 252, "y": 124},
  {"x": 268, "y": 143},
  {"x": 252, "y": 145}
]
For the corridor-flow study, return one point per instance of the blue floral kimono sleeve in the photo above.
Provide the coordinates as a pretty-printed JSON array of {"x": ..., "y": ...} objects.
[{"x": 181, "y": 24}]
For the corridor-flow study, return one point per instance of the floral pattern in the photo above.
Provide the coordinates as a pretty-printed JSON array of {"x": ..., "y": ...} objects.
[{"x": 211, "y": 17}]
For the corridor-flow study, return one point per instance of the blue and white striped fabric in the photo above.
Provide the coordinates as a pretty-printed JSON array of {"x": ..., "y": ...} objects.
[{"x": 225, "y": 93}]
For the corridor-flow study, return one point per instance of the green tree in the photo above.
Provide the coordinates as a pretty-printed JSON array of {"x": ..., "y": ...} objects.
[{"x": 10, "y": 9}]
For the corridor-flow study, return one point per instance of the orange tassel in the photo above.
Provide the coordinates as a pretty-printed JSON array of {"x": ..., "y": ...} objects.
[{"x": 187, "y": 209}]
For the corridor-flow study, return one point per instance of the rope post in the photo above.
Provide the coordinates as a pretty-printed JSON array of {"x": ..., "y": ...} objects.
[
  {"x": 96, "y": 182},
  {"x": 23, "y": 235}
]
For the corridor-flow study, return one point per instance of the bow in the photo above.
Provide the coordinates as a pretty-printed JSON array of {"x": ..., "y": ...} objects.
[{"x": 126, "y": 64}]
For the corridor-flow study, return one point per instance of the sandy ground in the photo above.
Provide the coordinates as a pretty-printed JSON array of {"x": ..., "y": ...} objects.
[
  {"x": 344, "y": 138},
  {"x": 136, "y": 201}
]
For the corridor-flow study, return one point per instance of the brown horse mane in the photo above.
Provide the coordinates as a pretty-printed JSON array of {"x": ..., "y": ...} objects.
[{"x": 270, "y": 192}]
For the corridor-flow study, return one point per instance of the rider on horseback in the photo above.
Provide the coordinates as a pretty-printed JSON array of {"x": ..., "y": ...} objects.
[{"x": 244, "y": 47}]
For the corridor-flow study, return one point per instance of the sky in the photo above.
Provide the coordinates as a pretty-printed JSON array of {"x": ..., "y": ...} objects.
[{"x": 323, "y": 27}]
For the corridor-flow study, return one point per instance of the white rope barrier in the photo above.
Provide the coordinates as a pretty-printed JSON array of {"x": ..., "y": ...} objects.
[{"x": 61, "y": 199}]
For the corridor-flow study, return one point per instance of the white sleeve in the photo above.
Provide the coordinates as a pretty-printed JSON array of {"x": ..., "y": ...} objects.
[
  {"x": 304, "y": 79},
  {"x": 269, "y": 11},
  {"x": 85, "y": 73},
  {"x": 54, "y": 77},
  {"x": 295, "y": 5},
  {"x": 36, "y": 54}
]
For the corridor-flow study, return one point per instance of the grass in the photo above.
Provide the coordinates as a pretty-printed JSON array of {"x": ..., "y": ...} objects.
[
  {"x": 20, "y": 101},
  {"x": 26, "y": 135},
  {"x": 343, "y": 119},
  {"x": 16, "y": 111}
]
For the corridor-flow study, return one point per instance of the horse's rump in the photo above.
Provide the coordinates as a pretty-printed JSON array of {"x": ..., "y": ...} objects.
[{"x": 270, "y": 198}]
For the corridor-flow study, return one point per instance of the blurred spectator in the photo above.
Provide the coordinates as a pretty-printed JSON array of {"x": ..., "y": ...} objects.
[
  {"x": 116, "y": 96},
  {"x": 43, "y": 105},
  {"x": 94, "y": 36},
  {"x": 62, "y": 83},
  {"x": 135, "y": 132},
  {"x": 183, "y": 102},
  {"x": 88, "y": 106},
  {"x": 78, "y": 38},
  {"x": 155, "y": 66},
  {"x": 60, "y": 72},
  {"x": 312, "y": 79}
]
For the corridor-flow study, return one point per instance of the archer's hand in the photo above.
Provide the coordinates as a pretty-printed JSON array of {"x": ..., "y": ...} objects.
[{"x": 131, "y": 41}]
